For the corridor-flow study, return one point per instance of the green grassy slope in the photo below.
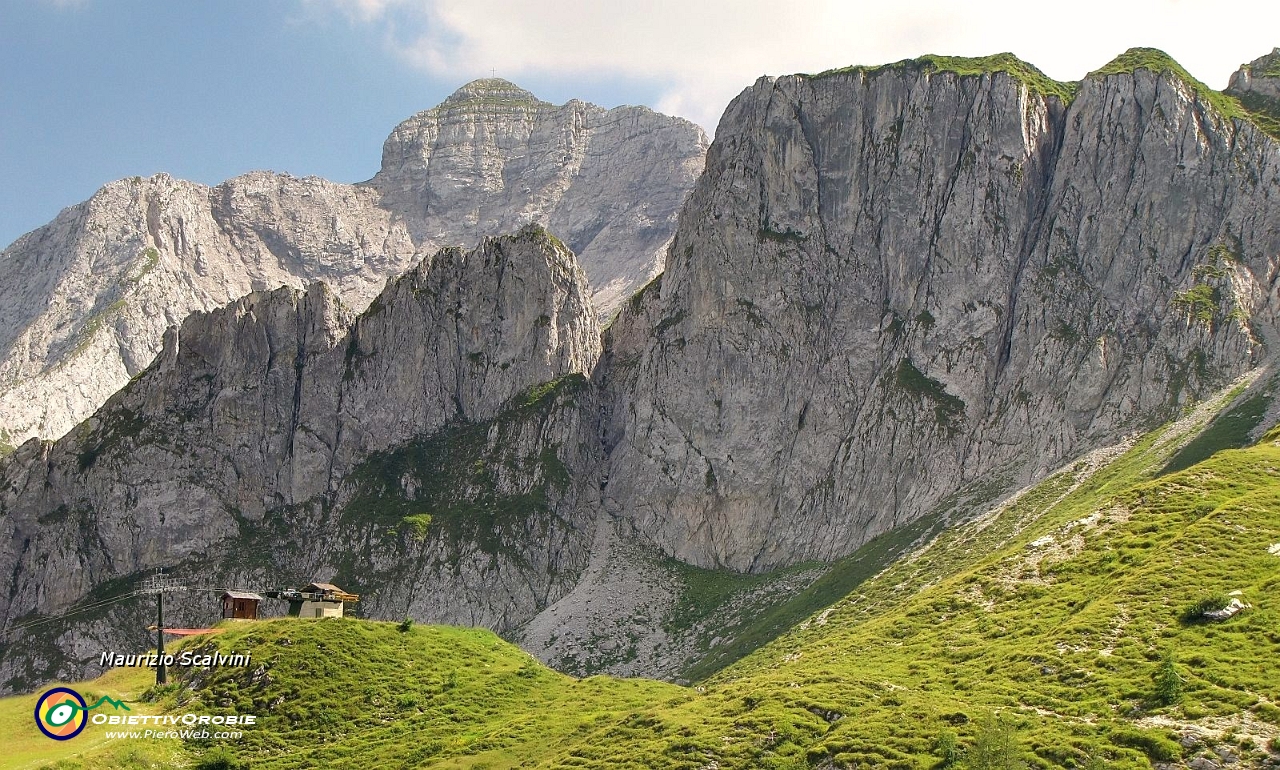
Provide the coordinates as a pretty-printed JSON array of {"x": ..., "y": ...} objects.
[
  {"x": 24, "y": 746},
  {"x": 337, "y": 692},
  {"x": 1055, "y": 613},
  {"x": 753, "y": 625},
  {"x": 344, "y": 692},
  {"x": 1059, "y": 620}
]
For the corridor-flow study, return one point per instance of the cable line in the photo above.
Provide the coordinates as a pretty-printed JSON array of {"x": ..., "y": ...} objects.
[{"x": 69, "y": 613}]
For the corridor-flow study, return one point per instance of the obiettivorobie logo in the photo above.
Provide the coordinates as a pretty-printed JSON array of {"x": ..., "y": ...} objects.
[{"x": 62, "y": 713}]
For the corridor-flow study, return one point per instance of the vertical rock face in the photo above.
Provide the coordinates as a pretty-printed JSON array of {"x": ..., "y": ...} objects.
[
  {"x": 1259, "y": 77},
  {"x": 277, "y": 438},
  {"x": 890, "y": 283},
  {"x": 492, "y": 156},
  {"x": 891, "y": 287},
  {"x": 85, "y": 300}
]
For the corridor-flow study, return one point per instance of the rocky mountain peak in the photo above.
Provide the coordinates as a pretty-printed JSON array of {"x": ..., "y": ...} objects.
[
  {"x": 889, "y": 284},
  {"x": 493, "y": 157},
  {"x": 1155, "y": 61},
  {"x": 1259, "y": 77},
  {"x": 491, "y": 90},
  {"x": 86, "y": 299}
]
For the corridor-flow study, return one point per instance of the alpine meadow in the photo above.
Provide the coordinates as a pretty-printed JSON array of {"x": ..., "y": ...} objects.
[{"x": 928, "y": 417}]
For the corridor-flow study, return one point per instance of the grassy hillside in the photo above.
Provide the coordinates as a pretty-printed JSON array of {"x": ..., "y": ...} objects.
[
  {"x": 341, "y": 692},
  {"x": 1057, "y": 614},
  {"x": 1060, "y": 630},
  {"x": 25, "y": 746}
]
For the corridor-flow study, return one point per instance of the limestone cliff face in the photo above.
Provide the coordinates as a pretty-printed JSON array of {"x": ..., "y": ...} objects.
[
  {"x": 493, "y": 157},
  {"x": 890, "y": 283},
  {"x": 418, "y": 446},
  {"x": 85, "y": 300},
  {"x": 890, "y": 286},
  {"x": 1260, "y": 77}
]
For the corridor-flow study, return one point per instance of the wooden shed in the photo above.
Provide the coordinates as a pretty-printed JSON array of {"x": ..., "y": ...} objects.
[{"x": 240, "y": 605}]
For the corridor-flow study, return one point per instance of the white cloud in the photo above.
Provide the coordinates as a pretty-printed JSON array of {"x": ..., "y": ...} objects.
[
  {"x": 357, "y": 10},
  {"x": 700, "y": 54}
]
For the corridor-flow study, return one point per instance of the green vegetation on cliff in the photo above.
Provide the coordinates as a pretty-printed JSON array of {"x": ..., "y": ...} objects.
[
  {"x": 1226, "y": 105},
  {"x": 1263, "y": 111},
  {"x": 1060, "y": 630},
  {"x": 1011, "y": 65},
  {"x": 453, "y": 475},
  {"x": 1260, "y": 111}
]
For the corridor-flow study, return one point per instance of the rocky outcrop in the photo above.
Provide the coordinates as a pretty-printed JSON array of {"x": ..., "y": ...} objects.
[
  {"x": 1257, "y": 87},
  {"x": 440, "y": 445},
  {"x": 493, "y": 157},
  {"x": 85, "y": 300},
  {"x": 894, "y": 292},
  {"x": 892, "y": 282},
  {"x": 1259, "y": 77}
]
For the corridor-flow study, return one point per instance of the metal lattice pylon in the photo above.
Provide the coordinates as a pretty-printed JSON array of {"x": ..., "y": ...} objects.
[{"x": 157, "y": 585}]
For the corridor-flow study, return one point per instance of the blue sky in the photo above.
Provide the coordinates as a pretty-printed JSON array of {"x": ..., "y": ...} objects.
[{"x": 96, "y": 90}]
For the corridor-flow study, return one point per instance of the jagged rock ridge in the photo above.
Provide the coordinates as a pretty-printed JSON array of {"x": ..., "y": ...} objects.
[
  {"x": 281, "y": 436},
  {"x": 85, "y": 300},
  {"x": 889, "y": 285},
  {"x": 492, "y": 157}
]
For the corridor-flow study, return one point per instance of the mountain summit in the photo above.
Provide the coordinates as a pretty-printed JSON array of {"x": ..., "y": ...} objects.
[
  {"x": 895, "y": 296},
  {"x": 492, "y": 157},
  {"x": 86, "y": 299},
  {"x": 490, "y": 90}
]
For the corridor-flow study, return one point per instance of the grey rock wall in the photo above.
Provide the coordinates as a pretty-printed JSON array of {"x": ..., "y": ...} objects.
[
  {"x": 274, "y": 440},
  {"x": 888, "y": 286},
  {"x": 85, "y": 300},
  {"x": 890, "y": 283}
]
